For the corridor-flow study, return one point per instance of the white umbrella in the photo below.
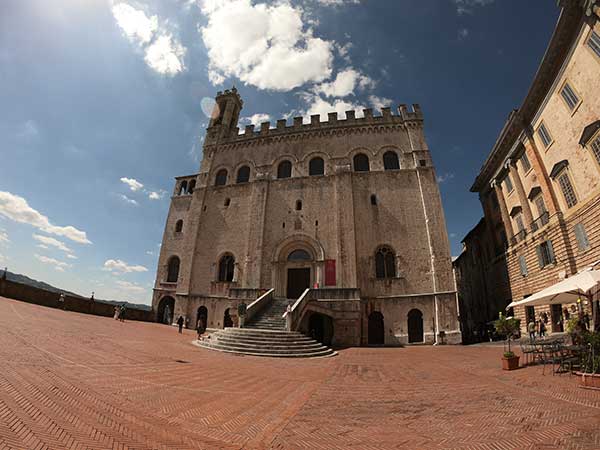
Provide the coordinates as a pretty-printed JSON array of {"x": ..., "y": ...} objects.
[{"x": 584, "y": 284}]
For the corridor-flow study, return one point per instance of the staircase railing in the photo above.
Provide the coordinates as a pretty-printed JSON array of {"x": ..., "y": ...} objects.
[
  {"x": 257, "y": 305},
  {"x": 293, "y": 315}
]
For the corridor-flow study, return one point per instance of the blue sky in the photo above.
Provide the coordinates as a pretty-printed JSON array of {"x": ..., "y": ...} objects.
[{"x": 103, "y": 102}]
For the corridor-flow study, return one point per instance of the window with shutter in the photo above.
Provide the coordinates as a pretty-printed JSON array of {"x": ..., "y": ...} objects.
[
  {"x": 545, "y": 254},
  {"x": 567, "y": 189},
  {"x": 508, "y": 182},
  {"x": 596, "y": 148},
  {"x": 523, "y": 265},
  {"x": 569, "y": 96},
  {"x": 544, "y": 135},
  {"x": 525, "y": 162},
  {"x": 594, "y": 43},
  {"x": 583, "y": 242}
]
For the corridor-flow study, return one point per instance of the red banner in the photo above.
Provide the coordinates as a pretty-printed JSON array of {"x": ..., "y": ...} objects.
[{"x": 330, "y": 272}]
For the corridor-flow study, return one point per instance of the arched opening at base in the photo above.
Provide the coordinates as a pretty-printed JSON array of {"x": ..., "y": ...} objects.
[
  {"x": 227, "y": 322},
  {"x": 415, "y": 326},
  {"x": 376, "y": 329},
  {"x": 320, "y": 328},
  {"x": 202, "y": 316},
  {"x": 166, "y": 308}
]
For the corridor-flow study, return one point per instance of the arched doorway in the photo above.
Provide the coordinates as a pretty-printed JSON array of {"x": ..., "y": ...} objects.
[
  {"x": 166, "y": 308},
  {"x": 415, "y": 326},
  {"x": 298, "y": 272},
  {"x": 227, "y": 322},
  {"x": 202, "y": 315},
  {"x": 376, "y": 329},
  {"x": 320, "y": 328}
]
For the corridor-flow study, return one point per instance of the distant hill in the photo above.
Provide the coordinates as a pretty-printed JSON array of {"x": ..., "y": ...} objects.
[{"x": 23, "y": 279}]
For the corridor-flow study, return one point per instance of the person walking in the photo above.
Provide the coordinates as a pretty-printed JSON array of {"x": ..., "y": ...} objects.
[
  {"x": 200, "y": 327},
  {"x": 542, "y": 328},
  {"x": 531, "y": 330},
  {"x": 241, "y": 313},
  {"x": 61, "y": 301},
  {"x": 180, "y": 324},
  {"x": 122, "y": 312},
  {"x": 117, "y": 312}
]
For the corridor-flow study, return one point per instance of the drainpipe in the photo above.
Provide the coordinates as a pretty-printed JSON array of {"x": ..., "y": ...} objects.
[{"x": 431, "y": 255}]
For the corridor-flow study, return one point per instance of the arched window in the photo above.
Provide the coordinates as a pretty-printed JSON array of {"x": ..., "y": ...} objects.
[
  {"x": 298, "y": 205},
  {"x": 179, "y": 226},
  {"x": 182, "y": 187},
  {"x": 284, "y": 170},
  {"x": 299, "y": 255},
  {"x": 361, "y": 162},
  {"x": 385, "y": 263},
  {"x": 173, "y": 270},
  {"x": 243, "y": 175},
  {"x": 221, "y": 178},
  {"x": 390, "y": 161},
  {"x": 316, "y": 166},
  {"x": 191, "y": 186},
  {"x": 226, "y": 268}
]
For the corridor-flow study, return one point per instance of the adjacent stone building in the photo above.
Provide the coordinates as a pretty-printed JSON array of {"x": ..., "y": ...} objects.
[
  {"x": 345, "y": 214},
  {"x": 540, "y": 185}
]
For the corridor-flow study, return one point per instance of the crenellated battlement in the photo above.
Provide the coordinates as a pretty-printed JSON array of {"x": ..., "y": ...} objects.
[{"x": 404, "y": 115}]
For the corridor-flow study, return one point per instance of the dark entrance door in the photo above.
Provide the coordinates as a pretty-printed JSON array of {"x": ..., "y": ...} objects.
[
  {"x": 320, "y": 328},
  {"x": 298, "y": 280},
  {"x": 376, "y": 330},
  {"x": 202, "y": 316},
  {"x": 227, "y": 322},
  {"x": 556, "y": 316},
  {"x": 165, "y": 311},
  {"x": 415, "y": 326}
]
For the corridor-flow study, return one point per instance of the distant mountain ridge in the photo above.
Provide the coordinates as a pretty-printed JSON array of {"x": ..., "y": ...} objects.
[{"x": 24, "y": 279}]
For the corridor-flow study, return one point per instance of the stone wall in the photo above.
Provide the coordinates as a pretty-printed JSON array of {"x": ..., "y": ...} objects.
[{"x": 30, "y": 294}]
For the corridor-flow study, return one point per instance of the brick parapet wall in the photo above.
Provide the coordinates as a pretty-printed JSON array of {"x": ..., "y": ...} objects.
[{"x": 30, "y": 294}]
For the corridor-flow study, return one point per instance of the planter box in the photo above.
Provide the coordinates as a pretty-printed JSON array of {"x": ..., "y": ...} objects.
[
  {"x": 510, "y": 363},
  {"x": 589, "y": 380}
]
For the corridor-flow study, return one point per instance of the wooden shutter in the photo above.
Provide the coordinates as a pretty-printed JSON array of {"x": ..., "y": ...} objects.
[
  {"x": 540, "y": 257},
  {"x": 550, "y": 251}
]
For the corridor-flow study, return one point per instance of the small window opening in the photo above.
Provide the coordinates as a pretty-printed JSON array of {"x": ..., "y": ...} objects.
[
  {"x": 316, "y": 223},
  {"x": 299, "y": 205},
  {"x": 423, "y": 162},
  {"x": 373, "y": 200},
  {"x": 179, "y": 226},
  {"x": 204, "y": 208},
  {"x": 227, "y": 202},
  {"x": 283, "y": 225}
]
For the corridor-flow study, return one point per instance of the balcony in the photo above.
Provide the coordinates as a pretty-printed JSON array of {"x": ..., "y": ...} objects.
[
  {"x": 540, "y": 221},
  {"x": 518, "y": 237}
]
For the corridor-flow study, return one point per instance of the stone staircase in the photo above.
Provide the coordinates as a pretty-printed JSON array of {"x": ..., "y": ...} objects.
[
  {"x": 265, "y": 342},
  {"x": 270, "y": 318}
]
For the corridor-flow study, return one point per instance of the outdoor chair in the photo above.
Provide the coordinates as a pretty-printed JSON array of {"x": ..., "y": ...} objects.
[
  {"x": 527, "y": 349},
  {"x": 568, "y": 360}
]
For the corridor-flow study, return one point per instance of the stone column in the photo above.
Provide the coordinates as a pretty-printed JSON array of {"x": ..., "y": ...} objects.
[
  {"x": 503, "y": 210},
  {"x": 516, "y": 179},
  {"x": 542, "y": 175}
]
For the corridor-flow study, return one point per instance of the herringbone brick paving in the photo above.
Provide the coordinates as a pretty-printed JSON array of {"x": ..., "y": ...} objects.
[{"x": 74, "y": 381}]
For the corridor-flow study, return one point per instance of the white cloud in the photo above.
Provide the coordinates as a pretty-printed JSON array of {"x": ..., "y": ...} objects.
[
  {"x": 131, "y": 287},
  {"x": 46, "y": 240},
  {"x": 133, "y": 184},
  {"x": 149, "y": 252},
  {"x": 445, "y": 177},
  {"x": 344, "y": 51},
  {"x": 70, "y": 256},
  {"x": 463, "y": 33},
  {"x": 267, "y": 46},
  {"x": 44, "y": 246},
  {"x": 16, "y": 208},
  {"x": 380, "y": 102},
  {"x": 154, "y": 195},
  {"x": 467, "y": 6},
  {"x": 345, "y": 83},
  {"x": 318, "y": 105},
  {"x": 338, "y": 2},
  {"x": 117, "y": 266},
  {"x": 28, "y": 130},
  {"x": 4, "y": 237},
  {"x": 58, "y": 265},
  {"x": 256, "y": 119},
  {"x": 136, "y": 25},
  {"x": 128, "y": 200},
  {"x": 165, "y": 55}
]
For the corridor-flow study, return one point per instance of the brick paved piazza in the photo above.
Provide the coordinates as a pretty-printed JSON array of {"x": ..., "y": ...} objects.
[{"x": 69, "y": 380}]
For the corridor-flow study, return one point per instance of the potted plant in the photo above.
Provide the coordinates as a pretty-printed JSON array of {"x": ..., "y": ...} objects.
[
  {"x": 508, "y": 327},
  {"x": 589, "y": 376}
]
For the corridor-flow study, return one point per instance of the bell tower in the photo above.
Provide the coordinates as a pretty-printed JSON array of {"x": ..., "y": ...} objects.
[{"x": 225, "y": 115}]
